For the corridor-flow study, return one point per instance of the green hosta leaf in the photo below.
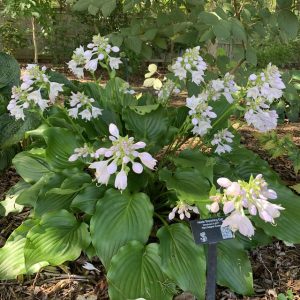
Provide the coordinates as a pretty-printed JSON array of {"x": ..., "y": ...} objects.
[
  {"x": 6, "y": 156},
  {"x": 57, "y": 238},
  {"x": 12, "y": 262},
  {"x": 182, "y": 260},
  {"x": 30, "y": 167},
  {"x": 196, "y": 159},
  {"x": 12, "y": 131},
  {"x": 9, "y": 71},
  {"x": 60, "y": 146},
  {"x": 234, "y": 268},
  {"x": 189, "y": 184},
  {"x": 120, "y": 218},
  {"x": 151, "y": 127},
  {"x": 135, "y": 272},
  {"x": 29, "y": 196},
  {"x": 86, "y": 200},
  {"x": 288, "y": 22},
  {"x": 288, "y": 224},
  {"x": 142, "y": 110},
  {"x": 9, "y": 204}
]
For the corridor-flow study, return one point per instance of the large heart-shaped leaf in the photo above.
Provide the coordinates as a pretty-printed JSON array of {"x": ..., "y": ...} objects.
[
  {"x": 182, "y": 260},
  {"x": 150, "y": 127},
  {"x": 12, "y": 262},
  {"x": 57, "y": 238},
  {"x": 30, "y": 167},
  {"x": 234, "y": 268},
  {"x": 120, "y": 218},
  {"x": 135, "y": 272}
]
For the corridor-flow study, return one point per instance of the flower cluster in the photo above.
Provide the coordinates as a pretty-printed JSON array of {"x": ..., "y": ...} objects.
[
  {"x": 80, "y": 102},
  {"x": 241, "y": 197},
  {"x": 166, "y": 91},
  {"x": 99, "y": 52},
  {"x": 84, "y": 152},
  {"x": 262, "y": 90},
  {"x": 218, "y": 87},
  {"x": 221, "y": 140},
  {"x": 36, "y": 90},
  {"x": 122, "y": 152},
  {"x": 183, "y": 210},
  {"x": 201, "y": 114},
  {"x": 191, "y": 62}
]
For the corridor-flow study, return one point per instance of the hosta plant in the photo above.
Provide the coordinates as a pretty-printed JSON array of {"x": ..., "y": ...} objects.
[{"x": 117, "y": 175}]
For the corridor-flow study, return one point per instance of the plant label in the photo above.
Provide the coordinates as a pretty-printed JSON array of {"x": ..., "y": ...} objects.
[{"x": 210, "y": 231}]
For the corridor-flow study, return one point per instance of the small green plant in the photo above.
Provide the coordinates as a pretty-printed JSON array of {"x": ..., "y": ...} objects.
[
  {"x": 281, "y": 146},
  {"x": 287, "y": 296}
]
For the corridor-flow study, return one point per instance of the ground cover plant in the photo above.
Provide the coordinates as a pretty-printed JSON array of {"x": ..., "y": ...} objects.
[{"x": 117, "y": 175}]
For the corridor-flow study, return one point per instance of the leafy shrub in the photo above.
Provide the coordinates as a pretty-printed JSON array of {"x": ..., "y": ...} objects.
[{"x": 155, "y": 166}]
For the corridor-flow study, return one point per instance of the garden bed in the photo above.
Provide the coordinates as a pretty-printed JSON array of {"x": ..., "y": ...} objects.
[{"x": 276, "y": 267}]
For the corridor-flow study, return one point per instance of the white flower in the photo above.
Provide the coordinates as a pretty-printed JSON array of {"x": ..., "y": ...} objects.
[
  {"x": 114, "y": 62},
  {"x": 55, "y": 88},
  {"x": 101, "y": 174},
  {"x": 191, "y": 62},
  {"x": 121, "y": 180},
  {"x": 82, "y": 105},
  {"x": 197, "y": 76},
  {"x": 183, "y": 210},
  {"x": 122, "y": 152},
  {"x": 80, "y": 152},
  {"x": 239, "y": 196},
  {"x": 92, "y": 65},
  {"x": 221, "y": 139},
  {"x": 262, "y": 120},
  {"x": 239, "y": 222}
]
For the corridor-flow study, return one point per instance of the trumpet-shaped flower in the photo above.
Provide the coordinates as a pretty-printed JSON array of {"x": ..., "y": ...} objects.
[
  {"x": 221, "y": 139},
  {"x": 239, "y": 198},
  {"x": 116, "y": 159},
  {"x": 191, "y": 62},
  {"x": 82, "y": 105},
  {"x": 183, "y": 210}
]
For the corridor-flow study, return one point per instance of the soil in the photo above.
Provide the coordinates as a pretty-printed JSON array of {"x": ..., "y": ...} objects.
[{"x": 276, "y": 268}]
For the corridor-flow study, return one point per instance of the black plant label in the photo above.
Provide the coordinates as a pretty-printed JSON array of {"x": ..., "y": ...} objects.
[{"x": 210, "y": 231}]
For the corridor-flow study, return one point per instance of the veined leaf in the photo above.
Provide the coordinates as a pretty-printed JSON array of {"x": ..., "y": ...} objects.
[
  {"x": 57, "y": 238},
  {"x": 120, "y": 218},
  {"x": 182, "y": 260},
  {"x": 135, "y": 272},
  {"x": 234, "y": 268}
]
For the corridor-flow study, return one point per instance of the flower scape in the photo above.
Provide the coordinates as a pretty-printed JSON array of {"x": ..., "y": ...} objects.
[{"x": 118, "y": 175}]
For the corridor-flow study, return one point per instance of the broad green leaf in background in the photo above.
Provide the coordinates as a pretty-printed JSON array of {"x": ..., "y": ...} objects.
[
  {"x": 288, "y": 22},
  {"x": 193, "y": 158},
  {"x": 58, "y": 237},
  {"x": 135, "y": 272},
  {"x": 150, "y": 128},
  {"x": 86, "y": 200},
  {"x": 182, "y": 260},
  {"x": 9, "y": 72},
  {"x": 120, "y": 218},
  {"x": 189, "y": 184},
  {"x": 234, "y": 268}
]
